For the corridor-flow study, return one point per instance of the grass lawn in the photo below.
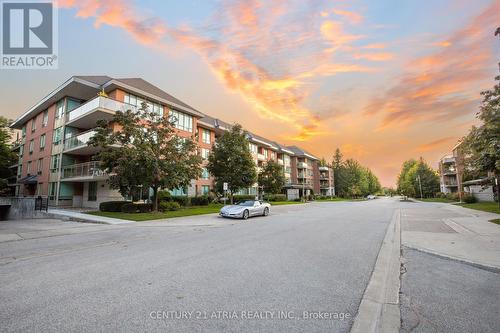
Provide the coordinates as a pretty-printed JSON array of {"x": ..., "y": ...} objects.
[
  {"x": 491, "y": 207},
  {"x": 497, "y": 221},
  {"x": 333, "y": 199},
  {"x": 281, "y": 203},
  {"x": 187, "y": 211},
  {"x": 436, "y": 200}
]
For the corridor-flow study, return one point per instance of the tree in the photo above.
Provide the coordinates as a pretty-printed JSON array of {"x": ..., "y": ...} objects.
[
  {"x": 272, "y": 177},
  {"x": 231, "y": 161},
  {"x": 415, "y": 174},
  {"x": 145, "y": 151},
  {"x": 337, "y": 169},
  {"x": 7, "y": 156},
  {"x": 482, "y": 144}
]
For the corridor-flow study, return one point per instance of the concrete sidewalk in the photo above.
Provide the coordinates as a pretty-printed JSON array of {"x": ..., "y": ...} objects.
[
  {"x": 79, "y": 217},
  {"x": 454, "y": 232}
]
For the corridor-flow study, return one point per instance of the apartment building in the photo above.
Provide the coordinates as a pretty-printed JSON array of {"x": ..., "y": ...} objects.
[
  {"x": 448, "y": 174},
  {"x": 56, "y": 161}
]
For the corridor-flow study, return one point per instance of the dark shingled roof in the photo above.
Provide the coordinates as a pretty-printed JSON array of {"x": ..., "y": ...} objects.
[{"x": 97, "y": 79}]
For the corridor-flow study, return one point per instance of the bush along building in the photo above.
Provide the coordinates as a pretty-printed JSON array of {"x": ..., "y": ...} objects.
[{"x": 55, "y": 159}]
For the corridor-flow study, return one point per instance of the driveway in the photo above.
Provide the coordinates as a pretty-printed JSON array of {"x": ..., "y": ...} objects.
[{"x": 303, "y": 268}]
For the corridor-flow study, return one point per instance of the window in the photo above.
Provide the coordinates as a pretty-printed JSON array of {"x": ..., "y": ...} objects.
[
  {"x": 205, "y": 174},
  {"x": 28, "y": 170},
  {"x": 205, "y": 189},
  {"x": 57, "y": 136},
  {"x": 253, "y": 148},
  {"x": 92, "y": 195},
  {"x": 60, "y": 109},
  {"x": 205, "y": 136},
  {"x": 45, "y": 118},
  {"x": 39, "y": 166},
  {"x": 72, "y": 104},
  {"x": 54, "y": 163},
  {"x": 31, "y": 146},
  {"x": 39, "y": 188},
  {"x": 42, "y": 142},
  {"x": 178, "y": 192},
  {"x": 137, "y": 101},
  {"x": 265, "y": 153},
  {"x": 21, "y": 151},
  {"x": 181, "y": 120},
  {"x": 52, "y": 190},
  {"x": 19, "y": 170},
  {"x": 33, "y": 124},
  {"x": 23, "y": 130},
  {"x": 204, "y": 153}
]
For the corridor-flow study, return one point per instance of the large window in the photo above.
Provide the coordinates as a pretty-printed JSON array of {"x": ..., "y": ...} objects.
[
  {"x": 204, "y": 153},
  {"x": 45, "y": 118},
  {"x": 21, "y": 151},
  {"x": 23, "y": 131},
  {"x": 205, "y": 189},
  {"x": 33, "y": 124},
  {"x": 205, "y": 174},
  {"x": 92, "y": 195},
  {"x": 52, "y": 190},
  {"x": 178, "y": 192},
  {"x": 253, "y": 148},
  {"x": 54, "y": 163},
  {"x": 137, "y": 101},
  {"x": 60, "y": 109},
  {"x": 31, "y": 146},
  {"x": 42, "y": 142},
  {"x": 39, "y": 166},
  {"x": 28, "y": 170},
  {"x": 72, "y": 104},
  {"x": 181, "y": 120},
  {"x": 57, "y": 136},
  {"x": 205, "y": 136}
]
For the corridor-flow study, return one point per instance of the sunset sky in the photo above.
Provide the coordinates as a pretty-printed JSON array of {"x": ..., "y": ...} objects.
[{"x": 382, "y": 80}]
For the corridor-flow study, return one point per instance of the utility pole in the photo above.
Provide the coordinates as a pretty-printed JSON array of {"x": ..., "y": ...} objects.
[{"x": 420, "y": 185}]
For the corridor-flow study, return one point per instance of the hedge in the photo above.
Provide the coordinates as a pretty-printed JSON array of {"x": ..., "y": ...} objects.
[
  {"x": 112, "y": 206},
  {"x": 137, "y": 208},
  {"x": 275, "y": 197},
  {"x": 243, "y": 197},
  {"x": 169, "y": 206},
  {"x": 200, "y": 201}
]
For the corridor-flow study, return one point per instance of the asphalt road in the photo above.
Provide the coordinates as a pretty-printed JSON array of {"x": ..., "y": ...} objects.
[{"x": 225, "y": 276}]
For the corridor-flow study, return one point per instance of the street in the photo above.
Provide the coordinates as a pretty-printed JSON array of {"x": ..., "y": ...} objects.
[{"x": 303, "y": 268}]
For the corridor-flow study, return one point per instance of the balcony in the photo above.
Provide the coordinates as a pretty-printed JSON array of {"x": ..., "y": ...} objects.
[
  {"x": 86, "y": 115},
  {"x": 323, "y": 176},
  {"x": 83, "y": 172},
  {"x": 448, "y": 160},
  {"x": 78, "y": 144},
  {"x": 280, "y": 162},
  {"x": 261, "y": 157},
  {"x": 323, "y": 168},
  {"x": 449, "y": 171},
  {"x": 302, "y": 165}
]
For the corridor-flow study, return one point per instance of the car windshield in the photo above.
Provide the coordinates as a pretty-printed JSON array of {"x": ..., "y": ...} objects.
[{"x": 248, "y": 203}]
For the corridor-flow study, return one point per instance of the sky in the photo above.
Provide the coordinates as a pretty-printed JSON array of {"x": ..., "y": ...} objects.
[{"x": 383, "y": 80}]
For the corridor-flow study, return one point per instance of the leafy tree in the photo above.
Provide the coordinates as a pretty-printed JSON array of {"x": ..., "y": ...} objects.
[
  {"x": 142, "y": 148},
  {"x": 272, "y": 177},
  {"x": 408, "y": 183},
  {"x": 7, "y": 156},
  {"x": 482, "y": 144},
  {"x": 231, "y": 161},
  {"x": 337, "y": 166}
]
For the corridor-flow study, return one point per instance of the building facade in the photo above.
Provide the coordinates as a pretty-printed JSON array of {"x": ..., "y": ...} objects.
[{"x": 56, "y": 161}]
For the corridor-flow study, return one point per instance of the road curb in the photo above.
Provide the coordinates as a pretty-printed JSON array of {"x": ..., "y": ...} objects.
[{"x": 379, "y": 308}]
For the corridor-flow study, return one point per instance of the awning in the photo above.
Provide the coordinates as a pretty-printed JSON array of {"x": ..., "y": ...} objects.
[
  {"x": 482, "y": 181},
  {"x": 29, "y": 180}
]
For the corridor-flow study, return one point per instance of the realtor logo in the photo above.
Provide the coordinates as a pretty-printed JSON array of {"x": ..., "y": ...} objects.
[{"x": 29, "y": 35}]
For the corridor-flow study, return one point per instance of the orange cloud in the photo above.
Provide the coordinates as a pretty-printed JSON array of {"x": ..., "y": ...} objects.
[
  {"x": 443, "y": 85},
  {"x": 352, "y": 17},
  {"x": 380, "y": 56},
  {"x": 376, "y": 46},
  {"x": 436, "y": 143},
  {"x": 333, "y": 31}
]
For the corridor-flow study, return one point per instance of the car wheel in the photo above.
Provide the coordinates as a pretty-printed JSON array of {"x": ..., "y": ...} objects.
[
  {"x": 245, "y": 214},
  {"x": 266, "y": 212}
]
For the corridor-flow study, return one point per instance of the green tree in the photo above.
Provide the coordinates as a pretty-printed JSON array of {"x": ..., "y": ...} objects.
[
  {"x": 231, "y": 161},
  {"x": 482, "y": 144},
  {"x": 413, "y": 171},
  {"x": 337, "y": 164},
  {"x": 272, "y": 177},
  {"x": 146, "y": 151},
  {"x": 7, "y": 156}
]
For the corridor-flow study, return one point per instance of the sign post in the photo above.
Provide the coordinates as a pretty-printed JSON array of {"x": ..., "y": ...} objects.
[{"x": 224, "y": 187}]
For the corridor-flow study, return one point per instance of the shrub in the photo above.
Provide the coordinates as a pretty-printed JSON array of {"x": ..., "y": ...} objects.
[
  {"x": 181, "y": 200},
  {"x": 169, "y": 206},
  {"x": 137, "y": 208},
  {"x": 440, "y": 195},
  {"x": 200, "y": 201},
  {"x": 469, "y": 198},
  {"x": 275, "y": 197},
  {"x": 112, "y": 206},
  {"x": 164, "y": 195},
  {"x": 237, "y": 198}
]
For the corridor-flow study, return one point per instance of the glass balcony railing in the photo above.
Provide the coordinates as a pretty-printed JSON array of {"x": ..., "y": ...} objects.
[
  {"x": 99, "y": 102},
  {"x": 79, "y": 140},
  {"x": 82, "y": 170},
  {"x": 302, "y": 165}
]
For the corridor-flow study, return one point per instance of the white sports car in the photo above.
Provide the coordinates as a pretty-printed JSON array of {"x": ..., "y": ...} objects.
[{"x": 245, "y": 209}]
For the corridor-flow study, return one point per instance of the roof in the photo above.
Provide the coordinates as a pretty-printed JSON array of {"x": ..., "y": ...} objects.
[
  {"x": 300, "y": 152},
  {"x": 96, "y": 79}
]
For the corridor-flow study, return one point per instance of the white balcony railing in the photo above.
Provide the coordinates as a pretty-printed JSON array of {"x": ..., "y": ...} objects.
[
  {"x": 280, "y": 162},
  {"x": 82, "y": 170},
  {"x": 261, "y": 157},
  {"x": 79, "y": 140},
  {"x": 302, "y": 165},
  {"x": 99, "y": 102}
]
